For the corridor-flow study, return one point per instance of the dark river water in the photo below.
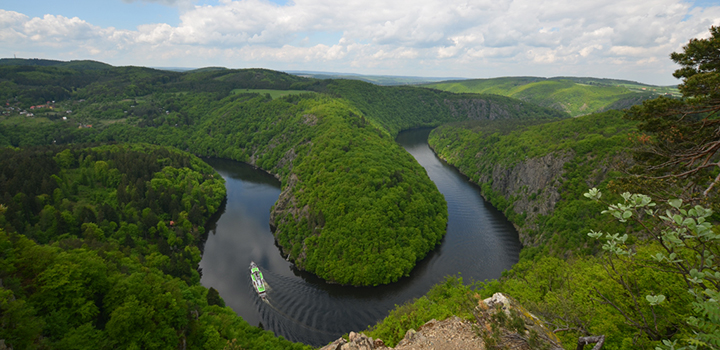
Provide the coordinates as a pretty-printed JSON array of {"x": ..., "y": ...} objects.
[{"x": 480, "y": 243}]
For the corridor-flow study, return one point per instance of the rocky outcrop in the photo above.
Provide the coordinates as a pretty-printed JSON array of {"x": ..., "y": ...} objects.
[
  {"x": 500, "y": 322},
  {"x": 533, "y": 185},
  {"x": 451, "y": 333},
  {"x": 478, "y": 109},
  {"x": 503, "y": 323},
  {"x": 356, "y": 341},
  {"x": 286, "y": 204},
  {"x": 286, "y": 209}
]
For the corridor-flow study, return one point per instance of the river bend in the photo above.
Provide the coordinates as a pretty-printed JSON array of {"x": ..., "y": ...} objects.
[{"x": 480, "y": 243}]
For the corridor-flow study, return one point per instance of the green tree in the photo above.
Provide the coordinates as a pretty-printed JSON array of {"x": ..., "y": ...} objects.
[{"x": 679, "y": 137}]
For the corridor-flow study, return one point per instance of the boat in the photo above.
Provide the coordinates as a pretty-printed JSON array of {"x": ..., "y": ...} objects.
[{"x": 257, "y": 279}]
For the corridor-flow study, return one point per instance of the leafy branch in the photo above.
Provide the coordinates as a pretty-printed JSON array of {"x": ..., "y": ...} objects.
[{"x": 690, "y": 246}]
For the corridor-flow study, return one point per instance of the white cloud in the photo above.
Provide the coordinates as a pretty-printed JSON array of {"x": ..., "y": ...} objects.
[
  {"x": 473, "y": 38},
  {"x": 11, "y": 29},
  {"x": 60, "y": 29}
]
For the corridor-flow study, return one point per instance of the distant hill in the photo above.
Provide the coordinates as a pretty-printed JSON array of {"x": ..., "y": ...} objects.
[
  {"x": 375, "y": 79},
  {"x": 574, "y": 95},
  {"x": 77, "y": 65}
]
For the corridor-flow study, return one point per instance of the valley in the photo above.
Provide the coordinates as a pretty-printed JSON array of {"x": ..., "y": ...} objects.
[{"x": 107, "y": 209}]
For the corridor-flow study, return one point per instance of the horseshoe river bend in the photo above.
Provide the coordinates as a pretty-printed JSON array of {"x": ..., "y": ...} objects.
[{"x": 479, "y": 244}]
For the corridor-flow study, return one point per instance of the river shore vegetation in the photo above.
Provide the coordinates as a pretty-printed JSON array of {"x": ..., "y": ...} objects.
[{"x": 100, "y": 246}]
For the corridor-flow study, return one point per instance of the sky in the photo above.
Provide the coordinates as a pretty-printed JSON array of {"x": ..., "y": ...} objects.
[{"x": 618, "y": 39}]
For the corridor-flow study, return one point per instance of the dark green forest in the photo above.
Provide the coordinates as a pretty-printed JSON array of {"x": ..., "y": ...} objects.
[{"x": 100, "y": 247}]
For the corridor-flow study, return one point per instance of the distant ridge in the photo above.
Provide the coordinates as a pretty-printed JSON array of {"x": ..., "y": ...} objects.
[
  {"x": 574, "y": 95},
  {"x": 375, "y": 79},
  {"x": 78, "y": 64}
]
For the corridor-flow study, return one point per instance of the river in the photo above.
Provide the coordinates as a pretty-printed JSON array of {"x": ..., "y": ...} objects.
[{"x": 480, "y": 243}]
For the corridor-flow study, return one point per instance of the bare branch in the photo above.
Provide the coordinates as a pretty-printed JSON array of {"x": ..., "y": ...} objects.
[{"x": 599, "y": 341}]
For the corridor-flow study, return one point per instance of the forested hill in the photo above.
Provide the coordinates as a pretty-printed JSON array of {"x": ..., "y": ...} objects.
[
  {"x": 77, "y": 65},
  {"x": 355, "y": 209},
  {"x": 573, "y": 95},
  {"x": 404, "y": 107}
]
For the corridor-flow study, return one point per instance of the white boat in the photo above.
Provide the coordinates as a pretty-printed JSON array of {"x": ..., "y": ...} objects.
[{"x": 258, "y": 280}]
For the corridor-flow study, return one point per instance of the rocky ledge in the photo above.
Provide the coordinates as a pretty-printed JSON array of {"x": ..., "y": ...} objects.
[{"x": 499, "y": 322}]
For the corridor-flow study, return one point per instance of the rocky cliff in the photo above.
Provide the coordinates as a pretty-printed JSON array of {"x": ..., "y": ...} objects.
[
  {"x": 533, "y": 186},
  {"x": 533, "y": 173}
]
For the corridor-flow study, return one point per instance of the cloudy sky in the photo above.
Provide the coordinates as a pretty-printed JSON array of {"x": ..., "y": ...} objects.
[{"x": 441, "y": 38}]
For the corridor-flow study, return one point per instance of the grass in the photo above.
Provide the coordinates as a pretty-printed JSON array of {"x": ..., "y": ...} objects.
[
  {"x": 23, "y": 120},
  {"x": 273, "y": 93}
]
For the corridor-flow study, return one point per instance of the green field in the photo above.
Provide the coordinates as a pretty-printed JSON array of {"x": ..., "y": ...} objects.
[{"x": 273, "y": 93}]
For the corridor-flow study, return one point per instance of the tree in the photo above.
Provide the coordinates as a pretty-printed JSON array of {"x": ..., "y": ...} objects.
[
  {"x": 680, "y": 138},
  {"x": 690, "y": 243}
]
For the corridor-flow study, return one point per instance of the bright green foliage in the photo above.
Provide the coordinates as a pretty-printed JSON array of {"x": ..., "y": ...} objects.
[
  {"x": 84, "y": 298},
  {"x": 580, "y": 297},
  {"x": 576, "y": 96},
  {"x": 690, "y": 244},
  {"x": 151, "y": 199},
  {"x": 445, "y": 299}
]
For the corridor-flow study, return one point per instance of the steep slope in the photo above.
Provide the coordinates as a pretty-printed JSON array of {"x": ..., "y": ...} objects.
[
  {"x": 399, "y": 108},
  {"x": 536, "y": 173}
]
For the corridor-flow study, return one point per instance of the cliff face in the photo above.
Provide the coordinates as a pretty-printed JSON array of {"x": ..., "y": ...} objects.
[
  {"x": 285, "y": 210},
  {"x": 533, "y": 186},
  {"x": 479, "y": 109}
]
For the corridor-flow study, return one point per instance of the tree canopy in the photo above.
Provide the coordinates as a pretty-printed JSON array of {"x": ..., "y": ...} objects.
[{"x": 680, "y": 138}]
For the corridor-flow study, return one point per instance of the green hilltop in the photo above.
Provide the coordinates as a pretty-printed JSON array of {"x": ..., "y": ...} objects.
[{"x": 576, "y": 96}]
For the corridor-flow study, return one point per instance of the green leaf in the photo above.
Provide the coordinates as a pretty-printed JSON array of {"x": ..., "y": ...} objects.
[
  {"x": 678, "y": 219},
  {"x": 675, "y": 203},
  {"x": 655, "y": 299}
]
